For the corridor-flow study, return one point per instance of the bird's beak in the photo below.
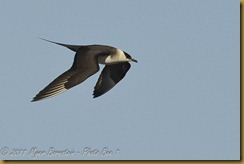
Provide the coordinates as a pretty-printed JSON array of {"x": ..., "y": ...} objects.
[{"x": 134, "y": 60}]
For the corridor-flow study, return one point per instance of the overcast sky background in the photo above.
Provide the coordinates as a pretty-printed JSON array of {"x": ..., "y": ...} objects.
[{"x": 180, "y": 101}]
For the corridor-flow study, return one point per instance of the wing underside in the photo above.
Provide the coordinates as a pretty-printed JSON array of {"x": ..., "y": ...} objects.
[{"x": 109, "y": 77}]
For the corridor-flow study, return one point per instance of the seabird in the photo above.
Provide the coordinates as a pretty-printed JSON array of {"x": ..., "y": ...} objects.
[{"x": 85, "y": 64}]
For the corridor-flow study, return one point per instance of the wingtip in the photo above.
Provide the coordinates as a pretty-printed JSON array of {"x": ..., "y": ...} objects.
[
  {"x": 34, "y": 99},
  {"x": 95, "y": 95}
]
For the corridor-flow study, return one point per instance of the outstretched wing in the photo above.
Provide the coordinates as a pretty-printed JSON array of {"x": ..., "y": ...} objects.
[
  {"x": 109, "y": 77},
  {"x": 57, "y": 86},
  {"x": 79, "y": 72}
]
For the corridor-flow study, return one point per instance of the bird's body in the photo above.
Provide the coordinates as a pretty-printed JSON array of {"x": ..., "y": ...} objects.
[{"x": 85, "y": 64}]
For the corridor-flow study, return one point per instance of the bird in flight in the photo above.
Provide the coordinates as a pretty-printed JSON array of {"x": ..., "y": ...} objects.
[{"x": 85, "y": 64}]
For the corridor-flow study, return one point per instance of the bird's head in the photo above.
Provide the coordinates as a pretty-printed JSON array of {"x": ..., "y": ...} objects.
[{"x": 129, "y": 58}]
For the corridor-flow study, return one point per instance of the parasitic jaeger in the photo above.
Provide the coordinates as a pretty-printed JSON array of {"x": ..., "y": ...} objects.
[{"x": 85, "y": 64}]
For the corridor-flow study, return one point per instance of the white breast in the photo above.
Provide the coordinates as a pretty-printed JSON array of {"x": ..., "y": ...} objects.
[{"x": 119, "y": 56}]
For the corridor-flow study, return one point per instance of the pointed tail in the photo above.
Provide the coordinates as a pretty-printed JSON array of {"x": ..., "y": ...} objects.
[{"x": 71, "y": 47}]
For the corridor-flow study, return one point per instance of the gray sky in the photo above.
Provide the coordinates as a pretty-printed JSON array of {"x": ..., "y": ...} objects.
[{"x": 181, "y": 101}]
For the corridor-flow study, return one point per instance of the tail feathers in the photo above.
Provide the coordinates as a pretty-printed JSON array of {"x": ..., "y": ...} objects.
[{"x": 71, "y": 47}]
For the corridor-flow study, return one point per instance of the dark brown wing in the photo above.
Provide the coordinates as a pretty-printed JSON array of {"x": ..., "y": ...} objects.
[
  {"x": 109, "y": 77},
  {"x": 84, "y": 66}
]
